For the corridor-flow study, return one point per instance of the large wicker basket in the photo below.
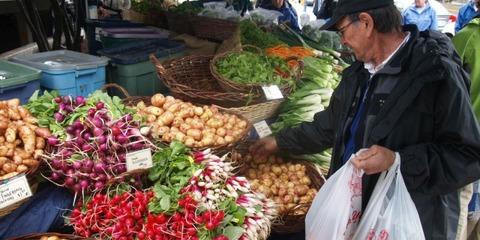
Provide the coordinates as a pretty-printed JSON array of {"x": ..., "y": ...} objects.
[
  {"x": 229, "y": 85},
  {"x": 38, "y": 236},
  {"x": 213, "y": 28},
  {"x": 290, "y": 222},
  {"x": 189, "y": 79}
]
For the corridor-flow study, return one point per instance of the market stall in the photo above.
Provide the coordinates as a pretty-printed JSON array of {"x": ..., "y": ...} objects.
[{"x": 147, "y": 141}]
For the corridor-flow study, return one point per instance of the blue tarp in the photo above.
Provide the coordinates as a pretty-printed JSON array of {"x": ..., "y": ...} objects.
[{"x": 43, "y": 212}]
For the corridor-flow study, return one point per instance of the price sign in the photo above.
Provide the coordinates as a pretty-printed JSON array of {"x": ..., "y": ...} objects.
[
  {"x": 272, "y": 92},
  {"x": 141, "y": 159},
  {"x": 14, "y": 190},
  {"x": 262, "y": 129}
]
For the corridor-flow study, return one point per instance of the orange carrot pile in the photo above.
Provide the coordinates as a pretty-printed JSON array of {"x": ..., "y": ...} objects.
[{"x": 286, "y": 52}]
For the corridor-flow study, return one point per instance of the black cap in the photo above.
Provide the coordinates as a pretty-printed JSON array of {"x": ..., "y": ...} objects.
[{"x": 345, "y": 7}]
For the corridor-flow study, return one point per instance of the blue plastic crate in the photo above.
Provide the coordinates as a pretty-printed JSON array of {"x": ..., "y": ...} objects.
[
  {"x": 69, "y": 73},
  {"x": 18, "y": 81}
]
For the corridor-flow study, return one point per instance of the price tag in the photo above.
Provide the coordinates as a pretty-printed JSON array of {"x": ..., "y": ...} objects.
[
  {"x": 272, "y": 92},
  {"x": 14, "y": 190},
  {"x": 262, "y": 129},
  {"x": 97, "y": 34},
  {"x": 141, "y": 159}
]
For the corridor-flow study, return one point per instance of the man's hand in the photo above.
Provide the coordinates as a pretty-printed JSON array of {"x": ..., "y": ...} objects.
[
  {"x": 264, "y": 147},
  {"x": 375, "y": 159}
]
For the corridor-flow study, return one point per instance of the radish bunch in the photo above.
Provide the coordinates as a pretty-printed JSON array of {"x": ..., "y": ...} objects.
[{"x": 94, "y": 151}]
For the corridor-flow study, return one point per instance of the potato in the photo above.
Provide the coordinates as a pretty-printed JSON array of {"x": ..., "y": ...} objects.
[
  {"x": 28, "y": 138},
  {"x": 38, "y": 154},
  {"x": 3, "y": 160},
  {"x": 40, "y": 143},
  {"x": 151, "y": 118},
  {"x": 158, "y": 100},
  {"x": 13, "y": 103},
  {"x": 43, "y": 132},
  {"x": 2, "y": 140},
  {"x": 13, "y": 114},
  {"x": 22, "y": 168},
  {"x": 9, "y": 167},
  {"x": 3, "y": 151},
  {"x": 17, "y": 159},
  {"x": 11, "y": 134},
  {"x": 155, "y": 110},
  {"x": 30, "y": 162}
]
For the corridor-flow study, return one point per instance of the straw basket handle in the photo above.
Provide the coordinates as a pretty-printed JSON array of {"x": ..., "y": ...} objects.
[
  {"x": 160, "y": 68},
  {"x": 259, "y": 50},
  {"x": 116, "y": 86}
]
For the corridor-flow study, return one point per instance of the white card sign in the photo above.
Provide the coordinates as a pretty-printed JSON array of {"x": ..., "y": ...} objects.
[
  {"x": 14, "y": 190},
  {"x": 272, "y": 92},
  {"x": 262, "y": 129},
  {"x": 141, "y": 159}
]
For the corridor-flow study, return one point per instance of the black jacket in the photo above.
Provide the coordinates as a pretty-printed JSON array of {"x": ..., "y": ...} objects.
[{"x": 420, "y": 107}]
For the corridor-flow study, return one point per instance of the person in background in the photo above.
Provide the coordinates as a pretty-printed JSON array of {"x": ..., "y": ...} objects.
[
  {"x": 289, "y": 14},
  {"x": 405, "y": 98},
  {"x": 467, "y": 43},
  {"x": 421, "y": 14},
  {"x": 466, "y": 14}
]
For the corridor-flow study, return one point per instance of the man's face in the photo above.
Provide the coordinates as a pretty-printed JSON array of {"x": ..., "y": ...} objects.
[
  {"x": 353, "y": 36},
  {"x": 277, "y": 3}
]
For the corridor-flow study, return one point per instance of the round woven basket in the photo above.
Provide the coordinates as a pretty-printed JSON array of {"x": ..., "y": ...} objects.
[
  {"x": 189, "y": 79},
  {"x": 38, "y": 236},
  {"x": 291, "y": 221},
  {"x": 231, "y": 86},
  {"x": 32, "y": 181},
  {"x": 179, "y": 23}
]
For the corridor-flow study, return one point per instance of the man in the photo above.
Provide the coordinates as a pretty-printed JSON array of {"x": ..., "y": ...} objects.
[
  {"x": 466, "y": 13},
  {"x": 406, "y": 96},
  {"x": 467, "y": 43}
]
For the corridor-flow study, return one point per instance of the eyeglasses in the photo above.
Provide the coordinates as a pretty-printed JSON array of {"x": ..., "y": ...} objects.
[{"x": 342, "y": 30}]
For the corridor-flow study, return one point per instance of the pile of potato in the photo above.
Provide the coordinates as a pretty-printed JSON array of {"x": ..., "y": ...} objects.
[
  {"x": 286, "y": 183},
  {"x": 21, "y": 141},
  {"x": 173, "y": 119}
]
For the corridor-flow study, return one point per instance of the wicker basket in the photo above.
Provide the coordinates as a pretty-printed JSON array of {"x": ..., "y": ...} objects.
[
  {"x": 179, "y": 23},
  {"x": 189, "y": 79},
  {"x": 229, "y": 85},
  {"x": 32, "y": 181},
  {"x": 38, "y": 236},
  {"x": 289, "y": 222},
  {"x": 258, "y": 112},
  {"x": 7, "y": 210},
  {"x": 128, "y": 100},
  {"x": 213, "y": 28}
]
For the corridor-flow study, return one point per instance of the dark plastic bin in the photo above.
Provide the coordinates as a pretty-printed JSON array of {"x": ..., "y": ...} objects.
[
  {"x": 18, "y": 81},
  {"x": 131, "y": 68},
  {"x": 114, "y": 37},
  {"x": 93, "y": 28}
]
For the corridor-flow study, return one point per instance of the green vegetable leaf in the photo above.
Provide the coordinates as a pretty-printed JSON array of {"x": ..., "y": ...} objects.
[
  {"x": 232, "y": 232},
  {"x": 165, "y": 203}
]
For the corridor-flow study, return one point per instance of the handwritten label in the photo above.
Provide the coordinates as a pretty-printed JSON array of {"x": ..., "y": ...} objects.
[
  {"x": 272, "y": 92},
  {"x": 14, "y": 190},
  {"x": 262, "y": 129},
  {"x": 141, "y": 159}
]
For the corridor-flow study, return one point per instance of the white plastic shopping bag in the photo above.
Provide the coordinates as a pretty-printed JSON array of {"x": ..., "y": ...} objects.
[
  {"x": 336, "y": 209},
  {"x": 390, "y": 213}
]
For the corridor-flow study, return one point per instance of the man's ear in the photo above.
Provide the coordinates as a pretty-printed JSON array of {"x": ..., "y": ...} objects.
[{"x": 366, "y": 22}]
